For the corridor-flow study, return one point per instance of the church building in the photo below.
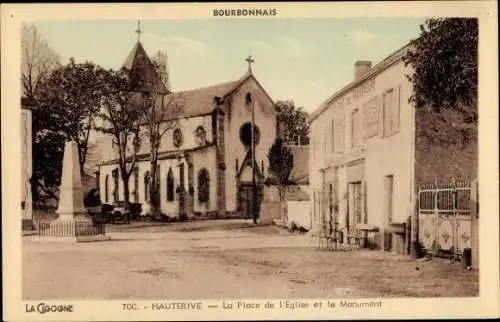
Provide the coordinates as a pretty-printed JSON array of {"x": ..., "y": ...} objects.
[{"x": 205, "y": 160}]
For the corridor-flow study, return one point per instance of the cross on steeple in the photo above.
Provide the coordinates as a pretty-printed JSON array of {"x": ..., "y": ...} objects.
[
  {"x": 138, "y": 31},
  {"x": 249, "y": 60}
]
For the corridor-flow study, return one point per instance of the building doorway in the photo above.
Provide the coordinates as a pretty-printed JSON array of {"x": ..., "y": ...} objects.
[
  {"x": 249, "y": 199},
  {"x": 355, "y": 210}
]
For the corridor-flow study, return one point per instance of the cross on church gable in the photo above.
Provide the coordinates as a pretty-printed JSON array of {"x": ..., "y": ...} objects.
[
  {"x": 249, "y": 60},
  {"x": 138, "y": 31}
]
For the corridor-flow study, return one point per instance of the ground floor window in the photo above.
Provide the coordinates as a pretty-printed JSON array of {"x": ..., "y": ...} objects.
[
  {"x": 389, "y": 190},
  {"x": 106, "y": 188},
  {"x": 136, "y": 185},
  {"x": 203, "y": 186},
  {"x": 146, "y": 186},
  {"x": 115, "y": 185},
  {"x": 170, "y": 185}
]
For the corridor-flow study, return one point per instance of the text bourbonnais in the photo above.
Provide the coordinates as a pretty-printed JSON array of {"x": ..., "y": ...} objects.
[{"x": 245, "y": 12}]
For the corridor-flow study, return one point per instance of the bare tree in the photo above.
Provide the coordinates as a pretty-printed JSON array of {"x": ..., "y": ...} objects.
[
  {"x": 160, "y": 61},
  {"x": 122, "y": 116},
  {"x": 158, "y": 121},
  {"x": 37, "y": 60}
]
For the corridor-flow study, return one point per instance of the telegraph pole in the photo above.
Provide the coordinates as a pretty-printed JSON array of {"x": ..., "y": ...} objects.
[{"x": 249, "y": 60}]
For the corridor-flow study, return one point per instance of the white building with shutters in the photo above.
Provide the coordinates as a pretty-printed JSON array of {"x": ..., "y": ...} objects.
[{"x": 362, "y": 155}]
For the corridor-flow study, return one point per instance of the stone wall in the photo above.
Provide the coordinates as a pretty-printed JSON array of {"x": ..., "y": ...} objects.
[
  {"x": 269, "y": 211},
  {"x": 440, "y": 151}
]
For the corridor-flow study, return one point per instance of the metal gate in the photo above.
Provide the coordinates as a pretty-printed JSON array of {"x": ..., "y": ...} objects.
[{"x": 445, "y": 218}]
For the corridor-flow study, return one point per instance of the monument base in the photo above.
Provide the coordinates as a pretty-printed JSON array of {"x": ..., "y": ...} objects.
[{"x": 65, "y": 228}]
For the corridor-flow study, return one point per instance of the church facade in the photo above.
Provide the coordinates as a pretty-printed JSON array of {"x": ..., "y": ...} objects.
[{"x": 205, "y": 160}]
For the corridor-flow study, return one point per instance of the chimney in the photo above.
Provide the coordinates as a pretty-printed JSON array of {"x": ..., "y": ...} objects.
[{"x": 361, "y": 67}]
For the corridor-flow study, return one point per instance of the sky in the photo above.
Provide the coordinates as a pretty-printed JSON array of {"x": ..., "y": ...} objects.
[{"x": 304, "y": 60}]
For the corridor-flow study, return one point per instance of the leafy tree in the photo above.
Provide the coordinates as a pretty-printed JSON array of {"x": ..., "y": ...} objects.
[
  {"x": 37, "y": 60},
  {"x": 47, "y": 154},
  {"x": 70, "y": 98},
  {"x": 444, "y": 76},
  {"x": 444, "y": 61},
  {"x": 121, "y": 117},
  {"x": 280, "y": 159},
  {"x": 294, "y": 120}
]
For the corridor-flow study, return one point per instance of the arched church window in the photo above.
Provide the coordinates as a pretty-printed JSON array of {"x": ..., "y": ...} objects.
[
  {"x": 203, "y": 186},
  {"x": 136, "y": 185},
  {"x": 248, "y": 99},
  {"x": 115, "y": 185},
  {"x": 201, "y": 135},
  {"x": 170, "y": 185},
  {"x": 106, "y": 188},
  {"x": 146, "y": 186},
  {"x": 177, "y": 137}
]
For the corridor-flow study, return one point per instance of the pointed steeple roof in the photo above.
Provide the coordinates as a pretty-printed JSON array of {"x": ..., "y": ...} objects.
[
  {"x": 137, "y": 51},
  {"x": 139, "y": 63}
]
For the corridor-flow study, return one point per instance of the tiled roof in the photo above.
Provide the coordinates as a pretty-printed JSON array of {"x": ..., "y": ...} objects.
[
  {"x": 300, "y": 171},
  {"x": 378, "y": 68},
  {"x": 136, "y": 51},
  {"x": 198, "y": 101}
]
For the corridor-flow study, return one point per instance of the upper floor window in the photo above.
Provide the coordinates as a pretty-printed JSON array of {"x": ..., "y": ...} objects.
[
  {"x": 391, "y": 111},
  {"x": 356, "y": 129},
  {"x": 248, "y": 99},
  {"x": 371, "y": 117},
  {"x": 177, "y": 137},
  {"x": 332, "y": 136},
  {"x": 325, "y": 139},
  {"x": 338, "y": 135}
]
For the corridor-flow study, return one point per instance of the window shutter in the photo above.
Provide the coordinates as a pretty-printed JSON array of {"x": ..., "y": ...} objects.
[
  {"x": 332, "y": 136},
  {"x": 341, "y": 135},
  {"x": 396, "y": 109},
  {"x": 388, "y": 106},
  {"x": 325, "y": 138},
  {"x": 364, "y": 201}
]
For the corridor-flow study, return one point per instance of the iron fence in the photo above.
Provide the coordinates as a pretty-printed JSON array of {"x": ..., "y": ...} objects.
[{"x": 54, "y": 228}]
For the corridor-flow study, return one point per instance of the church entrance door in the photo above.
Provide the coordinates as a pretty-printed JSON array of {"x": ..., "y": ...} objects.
[{"x": 249, "y": 200}]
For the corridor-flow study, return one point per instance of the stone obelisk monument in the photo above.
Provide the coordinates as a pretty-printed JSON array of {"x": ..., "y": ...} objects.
[
  {"x": 73, "y": 222},
  {"x": 71, "y": 190}
]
